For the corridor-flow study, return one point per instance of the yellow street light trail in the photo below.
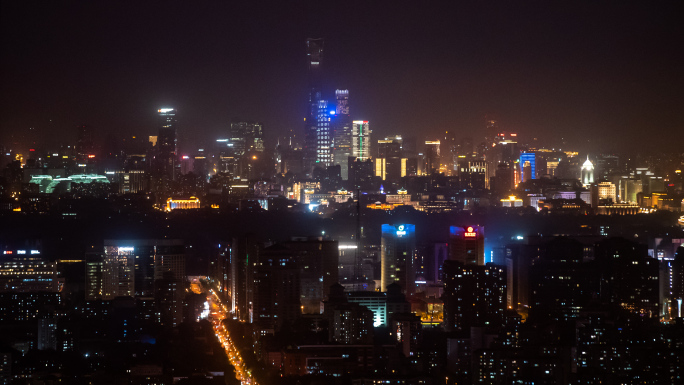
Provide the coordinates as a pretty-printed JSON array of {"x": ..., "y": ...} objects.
[{"x": 218, "y": 314}]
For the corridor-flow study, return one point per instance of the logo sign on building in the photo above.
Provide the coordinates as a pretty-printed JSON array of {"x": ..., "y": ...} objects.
[
  {"x": 470, "y": 232},
  {"x": 400, "y": 231}
]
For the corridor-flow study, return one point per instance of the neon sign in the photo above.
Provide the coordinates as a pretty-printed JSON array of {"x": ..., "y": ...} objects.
[{"x": 470, "y": 232}]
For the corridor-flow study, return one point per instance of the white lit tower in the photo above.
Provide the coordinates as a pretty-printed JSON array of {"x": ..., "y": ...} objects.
[{"x": 587, "y": 172}]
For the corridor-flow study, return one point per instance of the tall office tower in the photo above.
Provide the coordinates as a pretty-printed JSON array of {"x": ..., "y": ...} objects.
[
  {"x": 587, "y": 172},
  {"x": 528, "y": 166},
  {"x": 118, "y": 272},
  {"x": 245, "y": 137},
  {"x": 473, "y": 295},
  {"x": 466, "y": 245},
  {"x": 323, "y": 134},
  {"x": 361, "y": 140},
  {"x": 389, "y": 163},
  {"x": 314, "y": 53},
  {"x": 432, "y": 159},
  {"x": 85, "y": 144},
  {"x": 398, "y": 249},
  {"x": 341, "y": 127},
  {"x": 245, "y": 140},
  {"x": 167, "y": 161}
]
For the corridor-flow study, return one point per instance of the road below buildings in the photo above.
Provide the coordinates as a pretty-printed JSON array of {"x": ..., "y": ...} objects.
[{"x": 217, "y": 313}]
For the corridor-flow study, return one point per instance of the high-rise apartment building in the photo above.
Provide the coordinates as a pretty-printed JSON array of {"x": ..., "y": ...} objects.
[
  {"x": 473, "y": 295},
  {"x": 398, "y": 249}
]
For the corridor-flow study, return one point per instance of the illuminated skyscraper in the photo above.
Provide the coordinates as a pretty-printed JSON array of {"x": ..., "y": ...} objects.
[
  {"x": 323, "y": 134},
  {"x": 341, "y": 127},
  {"x": 166, "y": 143},
  {"x": 118, "y": 275},
  {"x": 398, "y": 249},
  {"x": 389, "y": 163},
  {"x": 528, "y": 166},
  {"x": 466, "y": 244},
  {"x": 587, "y": 172},
  {"x": 246, "y": 137},
  {"x": 361, "y": 140},
  {"x": 314, "y": 53},
  {"x": 245, "y": 140}
]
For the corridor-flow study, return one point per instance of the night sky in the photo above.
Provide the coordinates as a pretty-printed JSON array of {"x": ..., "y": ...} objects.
[{"x": 611, "y": 73}]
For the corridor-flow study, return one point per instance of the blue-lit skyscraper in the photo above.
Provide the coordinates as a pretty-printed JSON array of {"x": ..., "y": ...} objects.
[
  {"x": 398, "y": 249},
  {"x": 324, "y": 134},
  {"x": 528, "y": 166}
]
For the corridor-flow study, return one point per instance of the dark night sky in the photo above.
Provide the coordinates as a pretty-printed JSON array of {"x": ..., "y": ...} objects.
[{"x": 610, "y": 72}]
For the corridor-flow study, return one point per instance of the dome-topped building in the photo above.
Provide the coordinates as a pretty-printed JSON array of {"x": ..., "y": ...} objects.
[{"x": 587, "y": 172}]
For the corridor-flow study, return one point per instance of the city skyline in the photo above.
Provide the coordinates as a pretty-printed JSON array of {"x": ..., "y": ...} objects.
[
  {"x": 597, "y": 76},
  {"x": 345, "y": 193}
]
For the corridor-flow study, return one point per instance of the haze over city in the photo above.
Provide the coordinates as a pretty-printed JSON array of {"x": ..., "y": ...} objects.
[
  {"x": 364, "y": 193},
  {"x": 597, "y": 75}
]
